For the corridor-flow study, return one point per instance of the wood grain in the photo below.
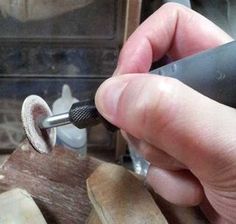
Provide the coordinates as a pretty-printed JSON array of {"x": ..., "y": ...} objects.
[
  {"x": 57, "y": 181},
  {"x": 119, "y": 197}
]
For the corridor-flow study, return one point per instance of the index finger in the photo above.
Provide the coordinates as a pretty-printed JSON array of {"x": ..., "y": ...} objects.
[{"x": 174, "y": 30}]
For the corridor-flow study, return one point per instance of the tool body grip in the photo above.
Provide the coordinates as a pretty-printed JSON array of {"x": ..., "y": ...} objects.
[{"x": 211, "y": 72}]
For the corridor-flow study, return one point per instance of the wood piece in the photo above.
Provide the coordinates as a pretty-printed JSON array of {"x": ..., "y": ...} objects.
[
  {"x": 119, "y": 197},
  {"x": 18, "y": 207},
  {"x": 57, "y": 181},
  {"x": 133, "y": 14},
  {"x": 93, "y": 218}
]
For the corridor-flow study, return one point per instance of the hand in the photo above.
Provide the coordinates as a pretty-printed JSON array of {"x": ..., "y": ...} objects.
[{"x": 189, "y": 139}]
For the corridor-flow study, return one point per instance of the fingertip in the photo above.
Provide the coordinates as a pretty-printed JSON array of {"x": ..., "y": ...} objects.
[
  {"x": 107, "y": 97},
  {"x": 104, "y": 100}
]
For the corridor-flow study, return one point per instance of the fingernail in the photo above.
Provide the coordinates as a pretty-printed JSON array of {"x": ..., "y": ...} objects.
[{"x": 107, "y": 97}]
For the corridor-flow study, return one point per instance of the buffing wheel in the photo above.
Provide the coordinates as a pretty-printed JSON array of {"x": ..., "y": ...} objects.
[{"x": 34, "y": 108}]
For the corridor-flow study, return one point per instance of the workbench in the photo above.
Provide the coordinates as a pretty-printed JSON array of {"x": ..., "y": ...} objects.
[{"x": 57, "y": 183}]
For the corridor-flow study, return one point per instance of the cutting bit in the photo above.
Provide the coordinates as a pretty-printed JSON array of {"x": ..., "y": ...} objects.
[{"x": 39, "y": 123}]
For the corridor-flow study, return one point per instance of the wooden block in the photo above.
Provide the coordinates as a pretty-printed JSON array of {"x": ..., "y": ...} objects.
[
  {"x": 119, "y": 197},
  {"x": 18, "y": 207},
  {"x": 56, "y": 181}
]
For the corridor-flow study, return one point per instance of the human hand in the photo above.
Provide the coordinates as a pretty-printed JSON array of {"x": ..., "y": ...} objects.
[{"x": 189, "y": 139}]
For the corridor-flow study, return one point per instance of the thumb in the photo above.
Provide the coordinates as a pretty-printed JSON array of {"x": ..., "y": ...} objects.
[{"x": 188, "y": 126}]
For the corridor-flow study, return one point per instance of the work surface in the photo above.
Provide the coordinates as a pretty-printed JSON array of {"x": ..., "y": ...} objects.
[{"x": 57, "y": 181}]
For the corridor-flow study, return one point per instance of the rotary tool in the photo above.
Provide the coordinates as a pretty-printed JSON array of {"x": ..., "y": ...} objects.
[
  {"x": 39, "y": 123},
  {"x": 211, "y": 72}
]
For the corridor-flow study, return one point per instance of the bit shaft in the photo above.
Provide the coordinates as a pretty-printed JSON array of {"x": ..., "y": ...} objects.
[
  {"x": 82, "y": 114},
  {"x": 55, "y": 121}
]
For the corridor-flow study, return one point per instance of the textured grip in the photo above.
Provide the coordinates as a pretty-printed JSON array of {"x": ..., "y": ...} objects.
[{"x": 85, "y": 114}]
